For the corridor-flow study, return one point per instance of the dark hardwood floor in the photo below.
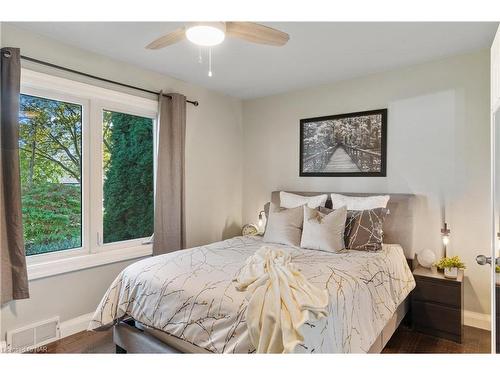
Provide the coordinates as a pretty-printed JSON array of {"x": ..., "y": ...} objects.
[
  {"x": 404, "y": 340},
  {"x": 83, "y": 342}
]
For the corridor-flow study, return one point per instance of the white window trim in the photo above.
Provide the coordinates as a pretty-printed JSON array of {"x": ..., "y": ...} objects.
[
  {"x": 30, "y": 78},
  {"x": 75, "y": 262},
  {"x": 93, "y": 99}
]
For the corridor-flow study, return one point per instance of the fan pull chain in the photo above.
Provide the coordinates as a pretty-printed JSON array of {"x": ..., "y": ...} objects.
[
  {"x": 200, "y": 58},
  {"x": 210, "y": 62}
]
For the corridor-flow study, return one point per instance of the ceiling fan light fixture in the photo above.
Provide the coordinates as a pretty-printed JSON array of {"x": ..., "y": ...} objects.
[{"x": 206, "y": 34}]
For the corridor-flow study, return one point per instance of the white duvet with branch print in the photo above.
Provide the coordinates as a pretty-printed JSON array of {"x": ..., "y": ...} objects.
[{"x": 192, "y": 295}]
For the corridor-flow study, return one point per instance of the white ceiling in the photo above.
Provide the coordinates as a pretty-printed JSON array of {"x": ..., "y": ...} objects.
[{"x": 317, "y": 53}]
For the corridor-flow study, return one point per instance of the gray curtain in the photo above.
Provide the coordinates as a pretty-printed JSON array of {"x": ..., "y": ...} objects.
[
  {"x": 169, "y": 225},
  {"x": 14, "y": 279}
]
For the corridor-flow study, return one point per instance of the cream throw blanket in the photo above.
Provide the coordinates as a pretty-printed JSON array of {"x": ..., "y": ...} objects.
[{"x": 280, "y": 300}]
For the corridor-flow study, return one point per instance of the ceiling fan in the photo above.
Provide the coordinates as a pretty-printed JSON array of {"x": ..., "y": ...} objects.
[{"x": 209, "y": 34}]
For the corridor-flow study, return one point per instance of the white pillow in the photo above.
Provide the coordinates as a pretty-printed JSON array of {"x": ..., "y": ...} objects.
[
  {"x": 359, "y": 203},
  {"x": 284, "y": 226},
  {"x": 289, "y": 200},
  {"x": 324, "y": 231}
]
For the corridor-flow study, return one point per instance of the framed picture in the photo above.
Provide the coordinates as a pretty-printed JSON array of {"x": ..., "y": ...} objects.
[{"x": 351, "y": 144}]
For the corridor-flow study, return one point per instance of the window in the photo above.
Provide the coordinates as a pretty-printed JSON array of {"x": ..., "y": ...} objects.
[
  {"x": 128, "y": 176},
  {"x": 50, "y": 144},
  {"x": 87, "y": 174}
]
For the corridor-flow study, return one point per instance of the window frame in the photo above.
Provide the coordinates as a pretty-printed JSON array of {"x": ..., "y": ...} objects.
[
  {"x": 59, "y": 96},
  {"x": 94, "y": 100},
  {"x": 97, "y": 177}
]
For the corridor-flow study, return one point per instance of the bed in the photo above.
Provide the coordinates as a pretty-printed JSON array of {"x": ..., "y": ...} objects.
[{"x": 186, "y": 301}]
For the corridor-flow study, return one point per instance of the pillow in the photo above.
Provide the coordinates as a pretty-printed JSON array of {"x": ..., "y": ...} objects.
[
  {"x": 364, "y": 229},
  {"x": 284, "y": 226},
  {"x": 359, "y": 203},
  {"x": 289, "y": 200},
  {"x": 323, "y": 231}
]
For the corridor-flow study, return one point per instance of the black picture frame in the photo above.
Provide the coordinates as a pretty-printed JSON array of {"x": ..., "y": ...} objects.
[{"x": 382, "y": 172}]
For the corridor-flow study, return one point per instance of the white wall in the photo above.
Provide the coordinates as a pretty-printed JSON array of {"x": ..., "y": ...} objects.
[
  {"x": 438, "y": 148},
  {"x": 213, "y": 180}
]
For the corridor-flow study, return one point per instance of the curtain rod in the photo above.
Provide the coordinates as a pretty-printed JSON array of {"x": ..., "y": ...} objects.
[{"x": 193, "y": 102}]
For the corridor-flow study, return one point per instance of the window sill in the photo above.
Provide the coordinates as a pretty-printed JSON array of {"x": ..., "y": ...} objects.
[{"x": 81, "y": 262}]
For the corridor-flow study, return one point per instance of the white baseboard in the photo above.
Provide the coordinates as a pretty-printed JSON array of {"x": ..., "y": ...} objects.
[
  {"x": 75, "y": 325},
  {"x": 478, "y": 320}
]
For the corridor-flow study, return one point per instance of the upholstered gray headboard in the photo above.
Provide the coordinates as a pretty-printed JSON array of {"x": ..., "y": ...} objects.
[{"x": 398, "y": 225}]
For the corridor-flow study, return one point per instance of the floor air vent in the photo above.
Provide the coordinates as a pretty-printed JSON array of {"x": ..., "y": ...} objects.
[{"x": 33, "y": 336}]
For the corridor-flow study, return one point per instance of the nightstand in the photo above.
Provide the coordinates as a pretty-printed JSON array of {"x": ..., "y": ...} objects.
[
  {"x": 497, "y": 313},
  {"x": 437, "y": 304}
]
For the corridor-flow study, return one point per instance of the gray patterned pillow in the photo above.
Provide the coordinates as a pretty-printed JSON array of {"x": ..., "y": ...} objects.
[{"x": 364, "y": 229}]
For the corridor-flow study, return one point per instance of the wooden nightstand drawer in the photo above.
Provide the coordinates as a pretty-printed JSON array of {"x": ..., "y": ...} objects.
[
  {"x": 440, "y": 317},
  {"x": 439, "y": 320},
  {"x": 498, "y": 336},
  {"x": 497, "y": 303},
  {"x": 437, "y": 292},
  {"x": 497, "y": 299}
]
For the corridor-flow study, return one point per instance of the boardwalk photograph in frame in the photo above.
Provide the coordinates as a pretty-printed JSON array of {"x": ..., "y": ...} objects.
[{"x": 351, "y": 144}]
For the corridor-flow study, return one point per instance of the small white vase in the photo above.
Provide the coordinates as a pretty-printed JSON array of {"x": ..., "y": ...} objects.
[{"x": 451, "y": 272}]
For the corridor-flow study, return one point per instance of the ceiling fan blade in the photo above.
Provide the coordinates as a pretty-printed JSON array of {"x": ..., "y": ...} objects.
[
  {"x": 256, "y": 33},
  {"x": 168, "y": 39}
]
